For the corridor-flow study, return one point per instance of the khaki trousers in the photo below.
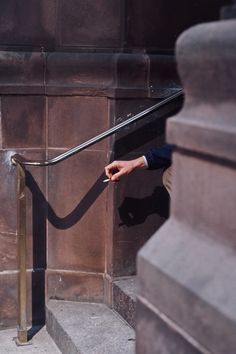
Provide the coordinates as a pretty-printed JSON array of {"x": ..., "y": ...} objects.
[{"x": 167, "y": 179}]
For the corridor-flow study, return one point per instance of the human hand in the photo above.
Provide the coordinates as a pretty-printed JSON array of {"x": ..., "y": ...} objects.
[{"x": 117, "y": 169}]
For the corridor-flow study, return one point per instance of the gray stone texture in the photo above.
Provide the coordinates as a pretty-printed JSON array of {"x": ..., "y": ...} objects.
[
  {"x": 124, "y": 298},
  {"x": 161, "y": 337},
  {"x": 187, "y": 270},
  {"x": 41, "y": 343},
  {"x": 88, "y": 329}
]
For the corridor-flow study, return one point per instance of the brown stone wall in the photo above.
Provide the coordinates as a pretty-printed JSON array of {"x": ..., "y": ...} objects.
[
  {"x": 101, "y": 24},
  {"x": 77, "y": 228},
  {"x": 69, "y": 70}
]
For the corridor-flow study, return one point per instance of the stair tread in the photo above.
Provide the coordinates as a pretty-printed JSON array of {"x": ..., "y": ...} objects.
[
  {"x": 89, "y": 328},
  {"x": 129, "y": 286}
]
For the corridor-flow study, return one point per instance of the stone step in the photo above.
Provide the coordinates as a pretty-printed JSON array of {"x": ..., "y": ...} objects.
[
  {"x": 88, "y": 328},
  {"x": 40, "y": 342},
  {"x": 124, "y": 298}
]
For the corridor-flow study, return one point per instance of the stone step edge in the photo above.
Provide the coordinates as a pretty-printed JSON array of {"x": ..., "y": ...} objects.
[
  {"x": 124, "y": 293},
  {"x": 64, "y": 340}
]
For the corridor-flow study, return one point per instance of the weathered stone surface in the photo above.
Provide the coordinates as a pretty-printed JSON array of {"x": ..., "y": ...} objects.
[
  {"x": 88, "y": 329},
  {"x": 35, "y": 298},
  {"x": 91, "y": 23},
  {"x": 8, "y": 251},
  {"x": 124, "y": 298},
  {"x": 155, "y": 336},
  {"x": 8, "y": 185},
  {"x": 36, "y": 184},
  {"x": 187, "y": 269},
  {"x": 27, "y": 114},
  {"x": 109, "y": 74},
  {"x": 41, "y": 342},
  {"x": 210, "y": 182},
  {"x": 163, "y": 73},
  {"x": 31, "y": 22},
  {"x": 200, "y": 126},
  {"x": 188, "y": 277},
  {"x": 81, "y": 25},
  {"x": 77, "y": 213},
  {"x": 82, "y": 118},
  {"x": 8, "y": 296},
  {"x": 74, "y": 286},
  {"x": 73, "y": 71},
  {"x": 22, "y": 72}
]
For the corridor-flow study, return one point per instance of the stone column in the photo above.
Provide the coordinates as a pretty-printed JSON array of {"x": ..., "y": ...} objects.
[{"x": 187, "y": 270}]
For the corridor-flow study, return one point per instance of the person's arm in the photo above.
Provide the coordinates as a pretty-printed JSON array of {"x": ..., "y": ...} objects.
[
  {"x": 154, "y": 159},
  {"x": 117, "y": 169},
  {"x": 159, "y": 157}
]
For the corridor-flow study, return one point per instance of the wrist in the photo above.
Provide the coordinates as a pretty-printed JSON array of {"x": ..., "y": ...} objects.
[{"x": 140, "y": 162}]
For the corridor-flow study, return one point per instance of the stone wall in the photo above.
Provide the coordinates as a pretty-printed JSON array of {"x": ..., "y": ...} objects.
[{"x": 69, "y": 70}]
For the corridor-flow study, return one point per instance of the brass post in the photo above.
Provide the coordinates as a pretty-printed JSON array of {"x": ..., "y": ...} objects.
[{"x": 21, "y": 239}]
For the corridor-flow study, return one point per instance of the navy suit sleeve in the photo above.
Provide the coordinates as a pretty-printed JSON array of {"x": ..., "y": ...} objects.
[{"x": 159, "y": 157}]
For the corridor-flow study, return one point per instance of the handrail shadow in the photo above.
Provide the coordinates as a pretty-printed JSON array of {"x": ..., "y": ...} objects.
[
  {"x": 132, "y": 211},
  {"x": 41, "y": 212}
]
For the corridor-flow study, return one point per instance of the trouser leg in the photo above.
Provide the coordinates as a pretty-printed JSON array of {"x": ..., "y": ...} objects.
[{"x": 167, "y": 179}]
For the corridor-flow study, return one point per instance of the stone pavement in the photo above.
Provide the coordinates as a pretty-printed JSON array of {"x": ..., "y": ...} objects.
[{"x": 41, "y": 343}]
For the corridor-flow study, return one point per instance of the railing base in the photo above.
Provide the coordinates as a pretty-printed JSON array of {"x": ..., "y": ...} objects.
[
  {"x": 22, "y": 344},
  {"x": 22, "y": 338}
]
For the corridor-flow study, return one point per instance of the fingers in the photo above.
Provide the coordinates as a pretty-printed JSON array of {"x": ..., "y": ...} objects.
[
  {"x": 110, "y": 168},
  {"x": 116, "y": 176},
  {"x": 115, "y": 170}
]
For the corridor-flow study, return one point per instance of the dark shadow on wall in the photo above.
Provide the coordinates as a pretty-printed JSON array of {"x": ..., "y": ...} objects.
[
  {"x": 39, "y": 217},
  {"x": 41, "y": 211},
  {"x": 134, "y": 211},
  {"x": 149, "y": 129},
  {"x": 76, "y": 214}
]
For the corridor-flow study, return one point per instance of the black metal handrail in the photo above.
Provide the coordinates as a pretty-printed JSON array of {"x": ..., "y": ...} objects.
[{"x": 21, "y": 160}]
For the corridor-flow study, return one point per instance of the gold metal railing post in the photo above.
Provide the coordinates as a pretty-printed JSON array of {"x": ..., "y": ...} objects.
[{"x": 21, "y": 239}]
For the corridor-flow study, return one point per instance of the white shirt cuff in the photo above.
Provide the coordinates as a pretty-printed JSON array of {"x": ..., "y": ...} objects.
[{"x": 145, "y": 161}]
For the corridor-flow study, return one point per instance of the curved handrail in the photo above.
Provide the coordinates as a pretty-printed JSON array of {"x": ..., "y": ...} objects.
[
  {"x": 18, "y": 159},
  {"x": 20, "y": 162}
]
